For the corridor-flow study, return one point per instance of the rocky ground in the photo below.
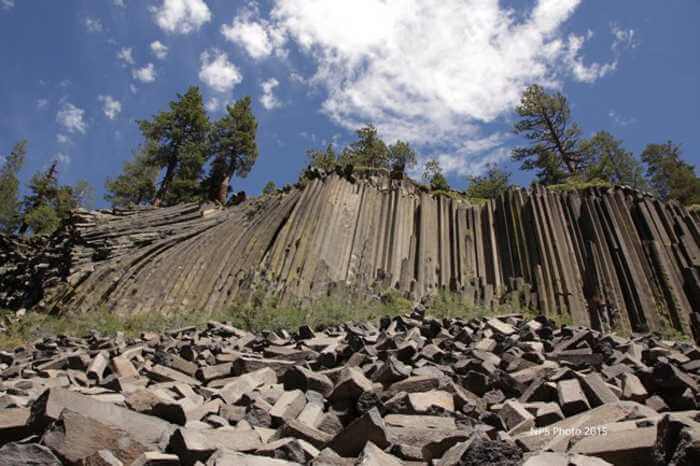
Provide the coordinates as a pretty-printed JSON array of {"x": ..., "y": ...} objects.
[{"x": 409, "y": 390}]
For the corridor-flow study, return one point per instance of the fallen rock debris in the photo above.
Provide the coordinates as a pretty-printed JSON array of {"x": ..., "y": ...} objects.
[{"x": 408, "y": 390}]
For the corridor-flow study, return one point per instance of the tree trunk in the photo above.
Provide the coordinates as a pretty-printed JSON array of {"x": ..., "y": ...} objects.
[
  {"x": 222, "y": 191},
  {"x": 165, "y": 184}
]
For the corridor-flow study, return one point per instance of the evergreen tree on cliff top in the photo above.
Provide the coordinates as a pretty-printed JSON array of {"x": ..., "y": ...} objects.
[
  {"x": 177, "y": 143},
  {"x": 136, "y": 185},
  {"x": 608, "y": 160},
  {"x": 234, "y": 147},
  {"x": 368, "y": 151},
  {"x": 432, "y": 173},
  {"x": 669, "y": 176},
  {"x": 545, "y": 120},
  {"x": 49, "y": 203},
  {"x": 490, "y": 185},
  {"x": 10, "y": 218}
]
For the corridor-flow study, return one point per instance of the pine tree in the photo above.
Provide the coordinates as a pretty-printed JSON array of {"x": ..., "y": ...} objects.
[
  {"x": 545, "y": 120},
  {"x": 401, "y": 157},
  {"x": 234, "y": 147},
  {"x": 367, "y": 151},
  {"x": 325, "y": 160},
  {"x": 269, "y": 188},
  {"x": 490, "y": 185},
  {"x": 136, "y": 185},
  {"x": 48, "y": 203},
  {"x": 177, "y": 142},
  {"x": 608, "y": 160},
  {"x": 669, "y": 176},
  {"x": 432, "y": 173},
  {"x": 9, "y": 188}
]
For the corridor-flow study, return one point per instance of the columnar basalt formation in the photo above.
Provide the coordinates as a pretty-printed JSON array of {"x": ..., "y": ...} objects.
[{"x": 608, "y": 257}]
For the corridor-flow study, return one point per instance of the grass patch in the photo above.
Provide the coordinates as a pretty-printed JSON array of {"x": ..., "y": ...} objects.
[
  {"x": 573, "y": 184},
  {"x": 261, "y": 314}
]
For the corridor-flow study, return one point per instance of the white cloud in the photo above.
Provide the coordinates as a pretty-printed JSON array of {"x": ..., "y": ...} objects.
[
  {"x": 147, "y": 74},
  {"x": 255, "y": 35},
  {"x": 62, "y": 139},
  {"x": 7, "y": 4},
  {"x": 133, "y": 88},
  {"x": 624, "y": 38},
  {"x": 213, "y": 104},
  {"x": 110, "y": 106},
  {"x": 218, "y": 72},
  {"x": 580, "y": 71},
  {"x": 268, "y": 98},
  {"x": 119, "y": 3},
  {"x": 62, "y": 158},
  {"x": 621, "y": 120},
  {"x": 432, "y": 72},
  {"x": 72, "y": 118},
  {"x": 159, "y": 50},
  {"x": 125, "y": 55},
  {"x": 181, "y": 16},
  {"x": 93, "y": 24},
  {"x": 42, "y": 103}
]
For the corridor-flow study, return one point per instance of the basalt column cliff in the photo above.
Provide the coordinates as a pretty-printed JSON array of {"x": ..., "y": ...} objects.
[{"x": 608, "y": 257}]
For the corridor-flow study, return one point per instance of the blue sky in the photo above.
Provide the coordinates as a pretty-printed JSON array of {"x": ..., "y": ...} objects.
[{"x": 443, "y": 74}]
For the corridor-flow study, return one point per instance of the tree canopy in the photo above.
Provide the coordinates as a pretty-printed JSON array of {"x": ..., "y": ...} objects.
[
  {"x": 48, "y": 203},
  {"x": 608, "y": 160},
  {"x": 545, "y": 120},
  {"x": 669, "y": 176},
  {"x": 177, "y": 142},
  {"x": 233, "y": 146},
  {"x": 432, "y": 173},
  {"x": 490, "y": 185},
  {"x": 10, "y": 205},
  {"x": 136, "y": 185}
]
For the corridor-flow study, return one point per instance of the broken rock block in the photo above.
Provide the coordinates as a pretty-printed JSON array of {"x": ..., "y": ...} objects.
[
  {"x": 631, "y": 447},
  {"x": 20, "y": 454},
  {"x": 572, "y": 400},
  {"x": 76, "y": 438},
  {"x": 368, "y": 428}
]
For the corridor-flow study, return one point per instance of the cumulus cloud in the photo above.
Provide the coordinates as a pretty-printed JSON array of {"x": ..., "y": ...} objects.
[
  {"x": 93, "y": 24},
  {"x": 110, "y": 106},
  {"x": 119, "y": 3},
  {"x": 218, "y": 72},
  {"x": 181, "y": 16},
  {"x": 432, "y": 72},
  {"x": 257, "y": 36},
  {"x": 268, "y": 98},
  {"x": 147, "y": 74},
  {"x": 42, "y": 103},
  {"x": 62, "y": 139},
  {"x": 126, "y": 55},
  {"x": 7, "y": 4},
  {"x": 159, "y": 50},
  {"x": 72, "y": 118}
]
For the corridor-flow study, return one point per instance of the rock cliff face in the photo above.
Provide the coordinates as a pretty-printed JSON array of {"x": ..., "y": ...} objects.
[{"x": 606, "y": 257}]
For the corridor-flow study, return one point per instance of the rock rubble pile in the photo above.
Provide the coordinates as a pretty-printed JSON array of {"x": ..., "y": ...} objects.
[{"x": 409, "y": 390}]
